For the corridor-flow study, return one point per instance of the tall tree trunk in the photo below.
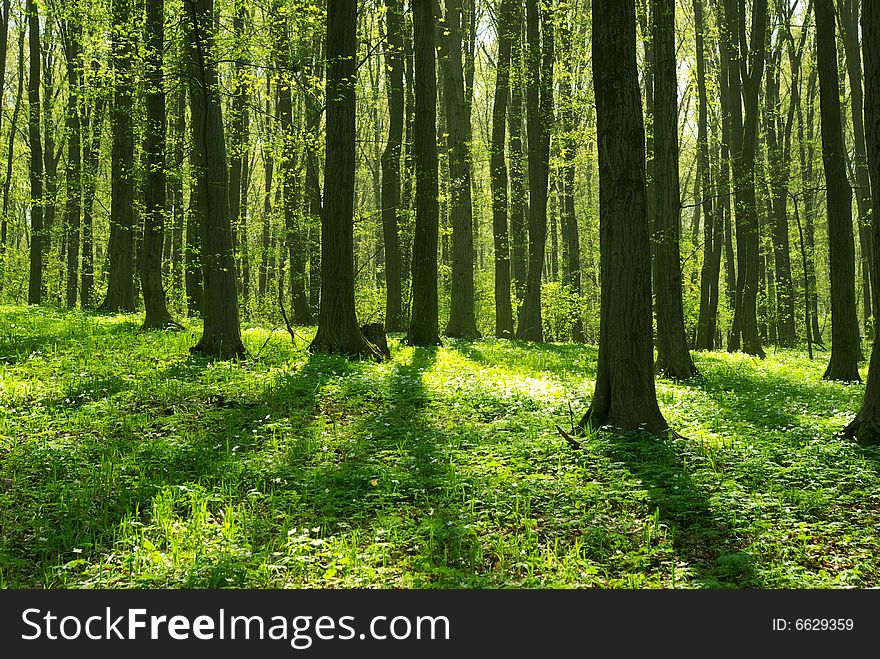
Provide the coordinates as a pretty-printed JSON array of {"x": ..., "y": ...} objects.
[
  {"x": 571, "y": 246},
  {"x": 10, "y": 154},
  {"x": 150, "y": 261},
  {"x": 221, "y": 334},
  {"x": 778, "y": 156},
  {"x": 462, "y": 321},
  {"x": 498, "y": 173},
  {"x": 745, "y": 72},
  {"x": 625, "y": 397},
  {"x": 73, "y": 124},
  {"x": 866, "y": 424},
  {"x": 710, "y": 271},
  {"x": 845, "y": 348},
  {"x": 391, "y": 202},
  {"x": 424, "y": 321},
  {"x": 539, "y": 99},
  {"x": 120, "y": 282},
  {"x": 338, "y": 330},
  {"x": 519, "y": 241},
  {"x": 175, "y": 188},
  {"x": 849, "y": 29},
  {"x": 35, "y": 280},
  {"x": 92, "y": 129},
  {"x": 314, "y": 196},
  {"x": 238, "y": 157},
  {"x": 673, "y": 359},
  {"x": 268, "y": 172}
]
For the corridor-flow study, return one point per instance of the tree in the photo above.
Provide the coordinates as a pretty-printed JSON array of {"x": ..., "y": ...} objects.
[
  {"x": 539, "y": 101},
  {"x": 519, "y": 200},
  {"x": 338, "y": 331},
  {"x": 624, "y": 397},
  {"x": 424, "y": 323},
  {"x": 745, "y": 69},
  {"x": 120, "y": 281},
  {"x": 72, "y": 38},
  {"x": 866, "y": 424},
  {"x": 498, "y": 174},
  {"x": 673, "y": 358},
  {"x": 462, "y": 322},
  {"x": 221, "y": 334},
  {"x": 150, "y": 261},
  {"x": 845, "y": 349},
  {"x": 391, "y": 202},
  {"x": 35, "y": 280},
  {"x": 711, "y": 208}
]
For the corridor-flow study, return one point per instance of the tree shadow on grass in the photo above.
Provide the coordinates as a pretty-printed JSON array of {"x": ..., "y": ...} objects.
[{"x": 715, "y": 557}]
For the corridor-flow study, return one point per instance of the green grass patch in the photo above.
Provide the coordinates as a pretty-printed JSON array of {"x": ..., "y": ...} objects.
[{"x": 126, "y": 463}]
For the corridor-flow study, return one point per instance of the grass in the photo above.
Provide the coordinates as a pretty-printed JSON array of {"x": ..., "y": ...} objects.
[{"x": 125, "y": 463}]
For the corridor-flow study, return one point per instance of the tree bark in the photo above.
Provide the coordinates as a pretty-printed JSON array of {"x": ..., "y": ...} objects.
[
  {"x": 391, "y": 201},
  {"x": 848, "y": 11},
  {"x": 221, "y": 334},
  {"x": 462, "y": 321},
  {"x": 10, "y": 153},
  {"x": 673, "y": 359},
  {"x": 624, "y": 398},
  {"x": 424, "y": 321},
  {"x": 120, "y": 282},
  {"x": 866, "y": 424},
  {"x": 745, "y": 72},
  {"x": 539, "y": 101},
  {"x": 338, "y": 330},
  {"x": 571, "y": 246},
  {"x": 519, "y": 241},
  {"x": 845, "y": 348},
  {"x": 498, "y": 173},
  {"x": 155, "y": 307},
  {"x": 35, "y": 280},
  {"x": 73, "y": 123}
]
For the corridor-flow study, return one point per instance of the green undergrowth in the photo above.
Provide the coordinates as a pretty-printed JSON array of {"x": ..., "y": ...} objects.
[{"x": 126, "y": 463}]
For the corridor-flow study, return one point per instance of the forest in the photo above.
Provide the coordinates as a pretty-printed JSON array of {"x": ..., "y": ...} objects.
[{"x": 439, "y": 294}]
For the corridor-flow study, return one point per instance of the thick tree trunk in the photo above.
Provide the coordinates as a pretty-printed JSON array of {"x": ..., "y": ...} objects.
[
  {"x": 221, "y": 335},
  {"x": 498, "y": 173},
  {"x": 462, "y": 321},
  {"x": 391, "y": 200},
  {"x": 35, "y": 280},
  {"x": 866, "y": 424},
  {"x": 424, "y": 321},
  {"x": 745, "y": 72},
  {"x": 150, "y": 261},
  {"x": 120, "y": 283},
  {"x": 673, "y": 359},
  {"x": 338, "y": 331},
  {"x": 539, "y": 100},
  {"x": 625, "y": 397},
  {"x": 845, "y": 348}
]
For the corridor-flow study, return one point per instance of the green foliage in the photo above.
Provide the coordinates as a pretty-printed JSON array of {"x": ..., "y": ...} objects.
[{"x": 126, "y": 463}]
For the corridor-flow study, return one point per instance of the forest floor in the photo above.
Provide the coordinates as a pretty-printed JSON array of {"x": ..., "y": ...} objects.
[{"x": 126, "y": 463}]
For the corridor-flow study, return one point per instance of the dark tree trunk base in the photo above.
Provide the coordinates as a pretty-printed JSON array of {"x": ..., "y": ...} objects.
[
  {"x": 215, "y": 347},
  {"x": 837, "y": 372},
  {"x": 353, "y": 347},
  {"x": 164, "y": 322},
  {"x": 463, "y": 333},
  {"x": 600, "y": 417},
  {"x": 680, "y": 370},
  {"x": 864, "y": 430}
]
